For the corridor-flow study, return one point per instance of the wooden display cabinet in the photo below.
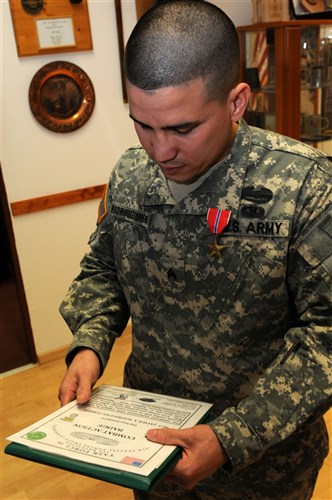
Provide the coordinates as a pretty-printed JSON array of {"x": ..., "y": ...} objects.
[{"x": 289, "y": 68}]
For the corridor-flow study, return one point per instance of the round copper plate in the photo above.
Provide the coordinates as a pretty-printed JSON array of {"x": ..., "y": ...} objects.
[{"x": 61, "y": 96}]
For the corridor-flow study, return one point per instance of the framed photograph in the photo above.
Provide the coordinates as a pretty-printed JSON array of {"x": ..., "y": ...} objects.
[
  {"x": 311, "y": 9},
  {"x": 50, "y": 26},
  {"x": 61, "y": 96}
]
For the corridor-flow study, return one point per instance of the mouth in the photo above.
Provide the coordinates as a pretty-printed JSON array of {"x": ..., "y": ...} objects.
[{"x": 171, "y": 169}]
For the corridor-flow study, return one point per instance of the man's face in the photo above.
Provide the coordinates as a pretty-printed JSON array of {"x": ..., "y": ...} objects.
[{"x": 183, "y": 132}]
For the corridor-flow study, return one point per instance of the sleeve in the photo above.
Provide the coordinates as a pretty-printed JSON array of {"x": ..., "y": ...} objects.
[
  {"x": 95, "y": 307},
  {"x": 298, "y": 384}
]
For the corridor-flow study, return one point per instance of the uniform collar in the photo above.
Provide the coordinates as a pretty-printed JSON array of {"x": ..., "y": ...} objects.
[{"x": 222, "y": 188}]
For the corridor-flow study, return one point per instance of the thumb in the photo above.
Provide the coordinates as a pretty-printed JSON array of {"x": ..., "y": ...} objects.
[{"x": 166, "y": 436}]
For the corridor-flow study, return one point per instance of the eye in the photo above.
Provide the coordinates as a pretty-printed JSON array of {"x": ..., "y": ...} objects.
[
  {"x": 144, "y": 127},
  {"x": 185, "y": 130}
]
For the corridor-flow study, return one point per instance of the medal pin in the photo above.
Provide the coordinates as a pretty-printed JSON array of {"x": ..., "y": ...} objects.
[{"x": 217, "y": 221}]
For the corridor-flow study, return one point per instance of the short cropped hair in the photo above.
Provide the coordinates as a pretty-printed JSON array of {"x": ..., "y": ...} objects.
[{"x": 180, "y": 40}]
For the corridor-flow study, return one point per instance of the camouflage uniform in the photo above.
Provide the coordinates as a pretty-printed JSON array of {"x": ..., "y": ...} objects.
[{"x": 215, "y": 326}]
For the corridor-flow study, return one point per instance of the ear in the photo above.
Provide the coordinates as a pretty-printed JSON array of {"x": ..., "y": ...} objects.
[{"x": 238, "y": 99}]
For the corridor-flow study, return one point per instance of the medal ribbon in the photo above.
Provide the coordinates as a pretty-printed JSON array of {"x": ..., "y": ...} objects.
[{"x": 217, "y": 219}]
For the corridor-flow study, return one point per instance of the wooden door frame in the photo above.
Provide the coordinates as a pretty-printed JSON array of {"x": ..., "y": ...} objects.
[{"x": 17, "y": 272}]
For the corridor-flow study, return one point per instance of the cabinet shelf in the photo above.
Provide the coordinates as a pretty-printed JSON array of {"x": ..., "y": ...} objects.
[{"x": 317, "y": 138}]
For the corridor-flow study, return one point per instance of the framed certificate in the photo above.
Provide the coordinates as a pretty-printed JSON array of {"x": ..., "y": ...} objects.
[{"x": 106, "y": 437}]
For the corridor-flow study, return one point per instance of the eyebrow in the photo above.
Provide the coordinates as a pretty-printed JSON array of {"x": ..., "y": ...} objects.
[{"x": 168, "y": 127}]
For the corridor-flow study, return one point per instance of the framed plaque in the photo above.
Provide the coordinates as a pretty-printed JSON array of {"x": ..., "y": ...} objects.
[
  {"x": 49, "y": 26},
  {"x": 61, "y": 96}
]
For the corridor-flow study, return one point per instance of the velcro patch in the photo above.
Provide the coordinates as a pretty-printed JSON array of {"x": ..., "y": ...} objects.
[
  {"x": 130, "y": 214},
  {"x": 258, "y": 227}
]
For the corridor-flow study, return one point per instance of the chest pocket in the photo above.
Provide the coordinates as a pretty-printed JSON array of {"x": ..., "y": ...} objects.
[{"x": 240, "y": 280}]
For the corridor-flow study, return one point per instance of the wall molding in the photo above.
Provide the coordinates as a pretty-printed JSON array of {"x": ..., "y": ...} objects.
[
  {"x": 53, "y": 355},
  {"x": 56, "y": 200}
]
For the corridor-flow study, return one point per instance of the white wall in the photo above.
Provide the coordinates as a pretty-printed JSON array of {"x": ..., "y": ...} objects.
[
  {"x": 240, "y": 11},
  {"x": 37, "y": 162}
]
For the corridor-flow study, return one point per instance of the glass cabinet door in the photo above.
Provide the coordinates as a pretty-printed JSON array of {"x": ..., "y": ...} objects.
[
  {"x": 260, "y": 75},
  {"x": 316, "y": 85}
]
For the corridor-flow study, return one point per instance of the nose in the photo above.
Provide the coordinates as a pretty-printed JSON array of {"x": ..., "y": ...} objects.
[{"x": 163, "y": 147}]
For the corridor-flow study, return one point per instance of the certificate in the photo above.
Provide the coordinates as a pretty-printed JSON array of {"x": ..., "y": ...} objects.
[
  {"x": 109, "y": 432},
  {"x": 55, "y": 32}
]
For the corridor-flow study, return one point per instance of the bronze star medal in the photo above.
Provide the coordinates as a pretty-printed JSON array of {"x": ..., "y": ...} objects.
[
  {"x": 215, "y": 248},
  {"x": 217, "y": 221}
]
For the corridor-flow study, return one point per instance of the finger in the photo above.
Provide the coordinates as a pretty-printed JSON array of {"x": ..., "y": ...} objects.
[
  {"x": 66, "y": 398},
  {"x": 168, "y": 436},
  {"x": 81, "y": 391},
  {"x": 84, "y": 390},
  {"x": 81, "y": 376},
  {"x": 66, "y": 394}
]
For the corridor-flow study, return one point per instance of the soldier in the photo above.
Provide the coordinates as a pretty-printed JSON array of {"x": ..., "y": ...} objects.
[{"x": 215, "y": 239}]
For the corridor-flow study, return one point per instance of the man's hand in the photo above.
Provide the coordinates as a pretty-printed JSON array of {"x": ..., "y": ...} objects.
[
  {"x": 81, "y": 376},
  {"x": 202, "y": 453}
]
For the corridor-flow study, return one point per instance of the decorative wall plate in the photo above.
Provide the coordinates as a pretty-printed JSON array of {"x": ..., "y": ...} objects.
[{"x": 61, "y": 96}]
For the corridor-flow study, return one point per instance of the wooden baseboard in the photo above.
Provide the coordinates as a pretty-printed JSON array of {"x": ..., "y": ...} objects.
[{"x": 53, "y": 355}]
